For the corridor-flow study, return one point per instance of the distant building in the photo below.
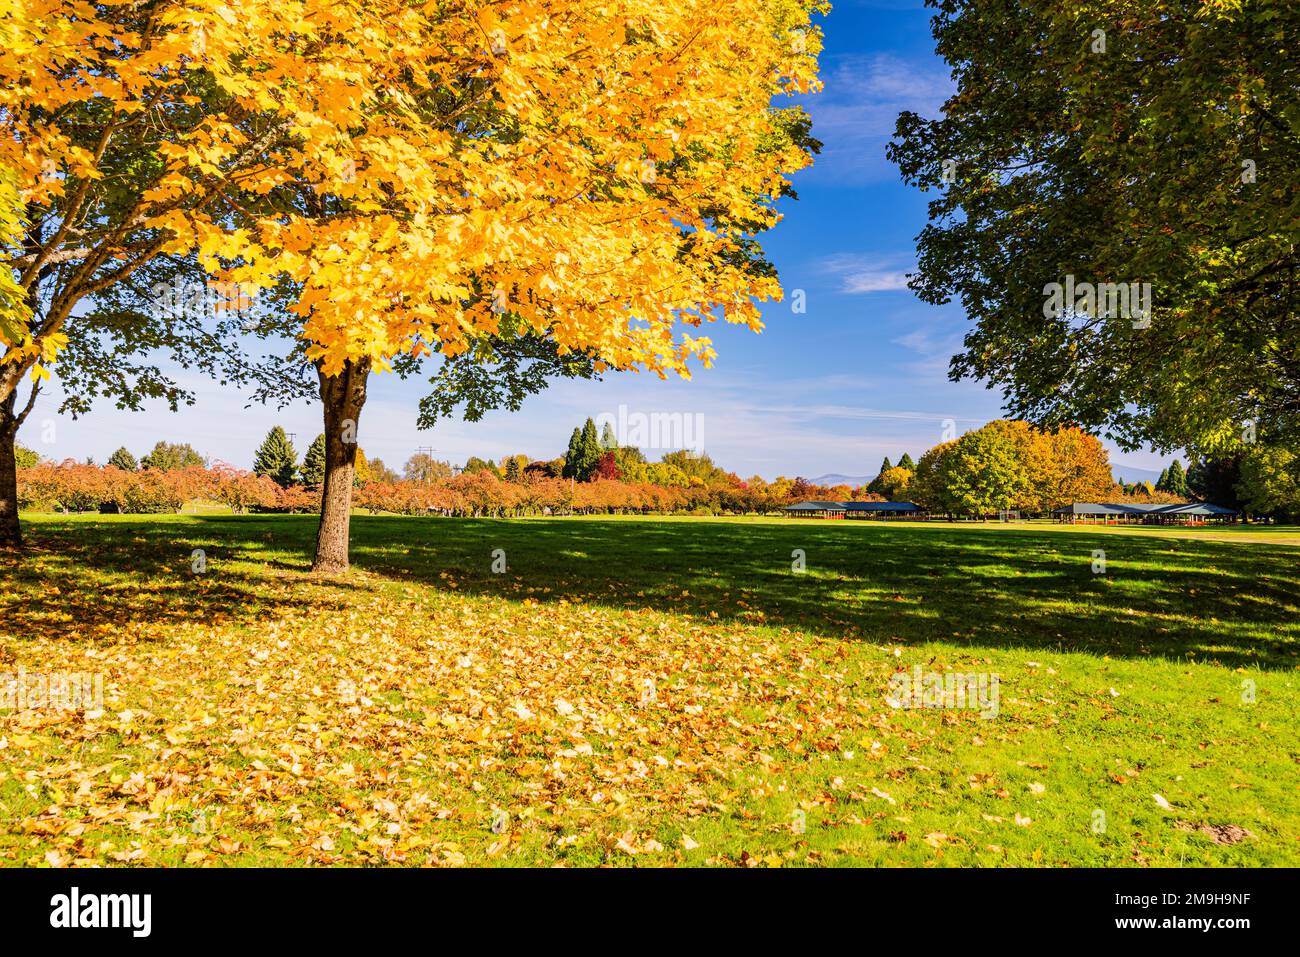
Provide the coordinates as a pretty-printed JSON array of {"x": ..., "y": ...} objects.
[
  {"x": 881, "y": 510},
  {"x": 1189, "y": 513}
]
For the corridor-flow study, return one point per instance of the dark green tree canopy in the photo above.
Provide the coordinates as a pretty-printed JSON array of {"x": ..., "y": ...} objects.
[
  {"x": 573, "y": 455},
  {"x": 1173, "y": 480},
  {"x": 590, "y": 450},
  {"x": 1095, "y": 142},
  {"x": 582, "y": 459},
  {"x": 1216, "y": 480}
]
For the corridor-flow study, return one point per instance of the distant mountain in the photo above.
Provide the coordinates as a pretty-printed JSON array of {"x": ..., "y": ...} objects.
[{"x": 834, "y": 478}]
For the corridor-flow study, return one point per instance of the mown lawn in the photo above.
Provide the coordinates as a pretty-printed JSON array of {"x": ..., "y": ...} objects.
[{"x": 652, "y": 692}]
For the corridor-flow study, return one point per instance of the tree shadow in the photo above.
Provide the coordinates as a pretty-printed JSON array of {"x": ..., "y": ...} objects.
[
  {"x": 1030, "y": 587},
  {"x": 1023, "y": 587},
  {"x": 90, "y": 581}
]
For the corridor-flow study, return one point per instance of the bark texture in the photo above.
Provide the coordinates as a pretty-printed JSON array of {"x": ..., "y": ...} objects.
[{"x": 342, "y": 396}]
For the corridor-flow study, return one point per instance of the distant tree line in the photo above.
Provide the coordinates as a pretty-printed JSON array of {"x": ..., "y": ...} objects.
[{"x": 1006, "y": 465}]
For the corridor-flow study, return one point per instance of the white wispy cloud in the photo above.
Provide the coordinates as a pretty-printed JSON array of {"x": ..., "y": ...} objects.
[
  {"x": 874, "y": 280},
  {"x": 857, "y": 110},
  {"x": 867, "y": 273}
]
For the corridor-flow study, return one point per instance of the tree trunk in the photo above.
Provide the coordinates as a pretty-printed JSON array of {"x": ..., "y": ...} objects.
[
  {"x": 342, "y": 396},
  {"x": 11, "y": 535}
]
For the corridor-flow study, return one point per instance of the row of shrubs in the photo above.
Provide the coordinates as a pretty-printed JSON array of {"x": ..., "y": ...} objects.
[
  {"x": 483, "y": 494},
  {"x": 77, "y": 487}
]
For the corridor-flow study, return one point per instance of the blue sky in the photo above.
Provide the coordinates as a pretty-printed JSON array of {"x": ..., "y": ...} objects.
[{"x": 860, "y": 375}]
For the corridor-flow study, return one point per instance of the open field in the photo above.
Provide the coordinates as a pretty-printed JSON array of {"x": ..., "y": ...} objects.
[{"x": 652, "y": 691}]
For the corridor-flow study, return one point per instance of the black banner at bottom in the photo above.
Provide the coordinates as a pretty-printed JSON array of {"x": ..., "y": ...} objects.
[{"x": 144, "y": 908}]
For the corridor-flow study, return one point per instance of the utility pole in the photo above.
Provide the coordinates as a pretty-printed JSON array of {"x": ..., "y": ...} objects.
[{"x": 425, "y": 450}]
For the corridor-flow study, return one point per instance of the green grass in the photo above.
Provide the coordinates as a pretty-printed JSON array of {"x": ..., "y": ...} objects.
[{"x": 258, "y": 715}]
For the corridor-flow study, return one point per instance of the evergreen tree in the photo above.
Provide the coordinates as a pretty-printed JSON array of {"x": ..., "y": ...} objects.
[
  {"x": 573, "y": 456},
  {"x": 874, "y": 485},
  {"x": 906, "y": 463},
  {"x": 514, "y": 472},
  {"x": 608, "y": 440},
  {"x": 1195, "y": 480},
  {"x": 1163, "y": 481},
  {"x": 277, "y": 458},
  {"x": 124, "y": 460},
  {"x": 313, "y": 464},
  {"x": 1175, "y": 480},
  {"x": 590, "y": 452}
]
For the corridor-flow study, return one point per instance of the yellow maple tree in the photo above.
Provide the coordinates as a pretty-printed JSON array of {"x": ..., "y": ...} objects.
[
  {"x": 597, "y": 172},
  {"x": 417, "y": 171},
  {"x": 129, "y": 131}
]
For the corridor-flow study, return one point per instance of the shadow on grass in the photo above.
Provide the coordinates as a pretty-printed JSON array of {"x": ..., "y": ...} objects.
[
  {"x": 83, "y": 580},
  {"x": 1025, "y": 587}
]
